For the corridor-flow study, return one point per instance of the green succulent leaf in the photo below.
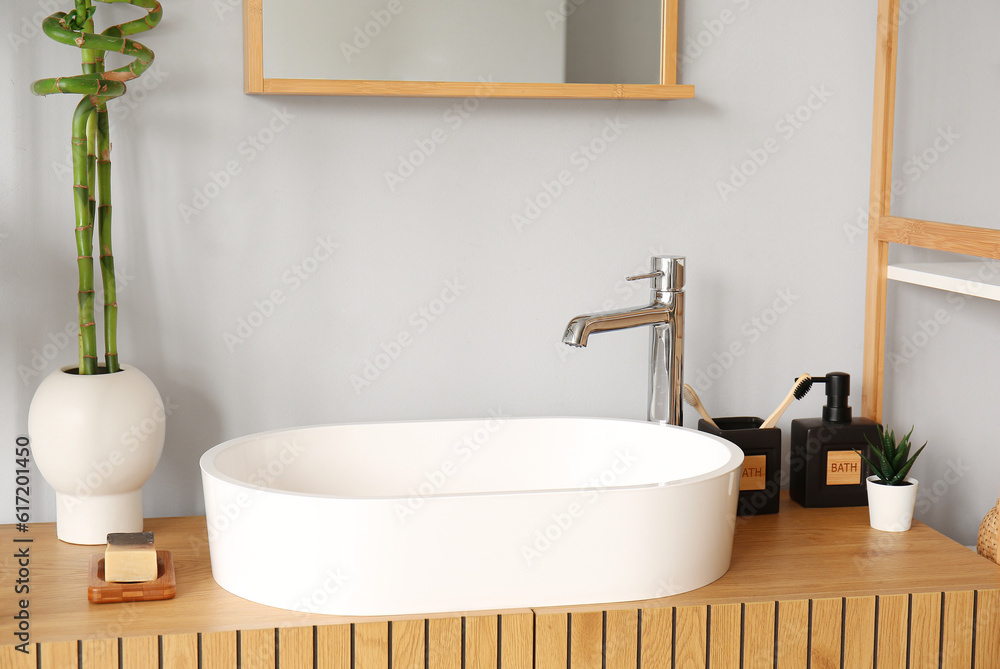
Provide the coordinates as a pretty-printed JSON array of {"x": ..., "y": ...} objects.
[
  {"x": 894, "y": 461},
  {"x": 885, "y": 464},
  {"x": 900, "y": 476},
  {"x": 872, "y": 466},
  {"x": 889, "y": 445},
  {"x": 904, "y": 451}
]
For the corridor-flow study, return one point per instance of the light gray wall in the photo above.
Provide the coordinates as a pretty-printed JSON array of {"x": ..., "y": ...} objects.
[{"x": 776, "y": 265}]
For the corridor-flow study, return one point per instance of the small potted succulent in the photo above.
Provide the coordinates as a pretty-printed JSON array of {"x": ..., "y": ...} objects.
[
  {"x": 891, "y": 493},
  {"x": 84, "y": 418}
]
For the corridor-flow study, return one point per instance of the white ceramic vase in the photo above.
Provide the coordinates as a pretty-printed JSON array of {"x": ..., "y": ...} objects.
[
  {"x": 96, "y": 440},
  {"x": 890, "y": 507}
]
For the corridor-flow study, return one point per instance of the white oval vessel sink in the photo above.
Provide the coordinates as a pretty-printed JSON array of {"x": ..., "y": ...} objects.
[{"x": 447, "y": 516}]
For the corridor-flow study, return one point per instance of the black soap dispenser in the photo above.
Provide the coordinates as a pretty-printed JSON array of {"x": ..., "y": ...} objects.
[{"x": 824, "y": 469}]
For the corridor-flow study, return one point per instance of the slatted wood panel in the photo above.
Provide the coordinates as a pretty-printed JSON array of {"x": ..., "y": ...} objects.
[
  {"x": 793, "y": 634},
  {"x": 333, "y": 647},
  {"x": 956, "y": 630},
  {"x": 257, "y": 649},
  {"x": 988, "y": 629},
  {"x": 726, "y": 626},
  {"x": 622, "y": 639},
  {"x": 444, "y": 643},
  {"x": 758, "y": 635},
  {"x": 480, "y": 642},
  {"x": 586, "y": 650},
  {"x": 921, "y": 630},
  {"x": 99, "y": 654},
  {"x": 60, "y": 655},
  {"x": 11, "y": 658},
  {"x": 550, "y": 641},
  {"x": 218, "y": 651},
  {"x": 517, "y": 639},
  {"x": 180, "y": 651},
  {"x": 691, "y": 626},
  {"x": 408, "y": 643},
  {"x": 143, "y": 652},
  {"x": 825, "y": 633},
  {"x": 295, "y": 648},
  {"x": 656, "y": 647},
  {"x": 371, "y": 645},
  {"x": 893, "y": 626},
  {"x": 859, "y": 632},
  {"x": 925, "y": 630}
]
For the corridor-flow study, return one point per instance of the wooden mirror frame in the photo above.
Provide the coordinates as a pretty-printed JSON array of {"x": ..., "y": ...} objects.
[{"x": 255, "y": 83}]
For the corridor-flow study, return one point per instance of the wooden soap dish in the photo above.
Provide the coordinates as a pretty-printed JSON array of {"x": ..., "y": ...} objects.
[{"x": 100, "y": 591}]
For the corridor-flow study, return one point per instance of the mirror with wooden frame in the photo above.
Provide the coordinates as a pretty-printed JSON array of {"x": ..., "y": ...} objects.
[{"x": 614, "y": 49}]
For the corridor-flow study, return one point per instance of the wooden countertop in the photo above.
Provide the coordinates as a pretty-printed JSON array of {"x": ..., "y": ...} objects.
[{"x": 795, "y": 554}]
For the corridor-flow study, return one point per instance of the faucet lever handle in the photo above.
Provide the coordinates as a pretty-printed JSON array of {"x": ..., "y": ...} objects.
[
  {"x": 667, "y": 273},
  {"x": 651, "y": 275}
]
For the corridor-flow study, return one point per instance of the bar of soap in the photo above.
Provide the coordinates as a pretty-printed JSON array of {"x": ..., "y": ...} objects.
[{"x": 130, "y": 557}]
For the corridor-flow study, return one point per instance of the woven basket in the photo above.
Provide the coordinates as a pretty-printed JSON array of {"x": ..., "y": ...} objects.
[{"x": 988, "y": 543}]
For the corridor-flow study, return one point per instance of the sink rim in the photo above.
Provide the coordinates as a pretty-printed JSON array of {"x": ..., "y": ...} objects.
[{"x": 208, "y": 468}]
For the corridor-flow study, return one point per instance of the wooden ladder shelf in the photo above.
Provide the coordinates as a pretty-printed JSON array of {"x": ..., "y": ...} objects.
[{"x": 885, "y": 229}]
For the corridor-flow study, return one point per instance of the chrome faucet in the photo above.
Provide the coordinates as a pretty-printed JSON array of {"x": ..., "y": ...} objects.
[{"x": 666, "y": 315}]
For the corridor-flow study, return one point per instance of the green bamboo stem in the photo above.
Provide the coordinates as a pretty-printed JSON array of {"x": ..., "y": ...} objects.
[
  {"x": 99, "y": 145},
  {"x": 87, "y": 56},
  {"x": 91, "y": 162},
  {"x": 84, "y": 237},
  {"x": 108, "y": 84},
  {"x": 147, "y": 22},
  {"x": 91, "y": 148},
  {"x": 85, "y": 262},
  {"x": 104, "y": 241}
]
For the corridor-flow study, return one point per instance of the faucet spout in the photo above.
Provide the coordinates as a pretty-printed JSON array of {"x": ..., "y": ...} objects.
[
  {"x": 581, "y": 327},
  {"x": 666, "y": 316}
]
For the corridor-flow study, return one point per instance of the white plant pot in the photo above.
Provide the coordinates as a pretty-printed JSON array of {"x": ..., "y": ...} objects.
[
  {"x": 96, "y": 440},
  {"x": 890, "y": 507}
]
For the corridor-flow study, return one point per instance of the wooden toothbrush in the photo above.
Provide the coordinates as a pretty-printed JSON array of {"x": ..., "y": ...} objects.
[
  {"x": 691, "y": 397},
  {"x": 798, "y": 391}
]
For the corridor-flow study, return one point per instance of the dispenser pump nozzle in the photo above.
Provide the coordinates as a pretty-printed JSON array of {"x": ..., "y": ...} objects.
[{"x": 838, "y": 392}]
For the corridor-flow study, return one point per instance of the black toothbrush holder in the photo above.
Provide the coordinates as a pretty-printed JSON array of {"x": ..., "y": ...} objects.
[{"x": 760, "y": 481}]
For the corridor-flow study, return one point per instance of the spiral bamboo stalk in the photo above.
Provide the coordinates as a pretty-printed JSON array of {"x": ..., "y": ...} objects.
[{"x": 91, "y": 147}]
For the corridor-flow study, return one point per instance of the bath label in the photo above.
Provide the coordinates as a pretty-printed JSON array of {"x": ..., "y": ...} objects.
[
  {"x": 754, "y": 473},
  {"x": 843, "y": 468}
]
